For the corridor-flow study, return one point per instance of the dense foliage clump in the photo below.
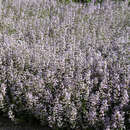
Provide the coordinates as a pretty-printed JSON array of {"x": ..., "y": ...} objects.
[
  {"x": 65, "y": 64},
  {"x": 88, "y": 1}
]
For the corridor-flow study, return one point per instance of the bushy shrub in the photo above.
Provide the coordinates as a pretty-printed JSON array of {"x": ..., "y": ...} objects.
[{"x": 78, "y": 76}]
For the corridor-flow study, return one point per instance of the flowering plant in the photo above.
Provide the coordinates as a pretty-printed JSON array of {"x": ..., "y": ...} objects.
[{"x": 77, "y": 77}]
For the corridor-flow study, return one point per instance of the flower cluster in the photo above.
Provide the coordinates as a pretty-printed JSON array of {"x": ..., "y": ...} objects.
[{"x": 66, "y": 64}]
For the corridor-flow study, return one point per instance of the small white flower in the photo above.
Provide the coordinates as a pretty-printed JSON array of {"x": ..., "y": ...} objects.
[
  {"x": 3, "y": 89},
  {"x": 11, "y": 115}
]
